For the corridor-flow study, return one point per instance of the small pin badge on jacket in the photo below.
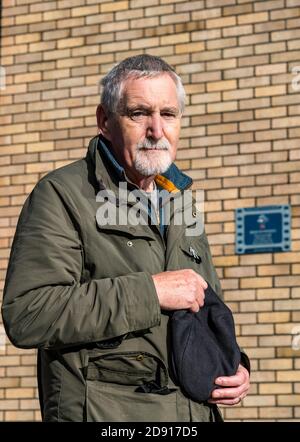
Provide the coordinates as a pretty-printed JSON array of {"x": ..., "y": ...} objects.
[{"x": 194, "y": 254}]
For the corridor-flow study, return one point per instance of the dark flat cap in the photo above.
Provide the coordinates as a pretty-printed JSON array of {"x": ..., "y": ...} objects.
[{"x": 204, "y": 347}]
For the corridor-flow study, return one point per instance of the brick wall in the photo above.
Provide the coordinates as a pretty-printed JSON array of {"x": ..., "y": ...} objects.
[{"x": 240, "y": 142}]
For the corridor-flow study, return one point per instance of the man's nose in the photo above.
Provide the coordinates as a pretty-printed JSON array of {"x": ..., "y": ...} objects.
[{"x": 155, "y": 127}]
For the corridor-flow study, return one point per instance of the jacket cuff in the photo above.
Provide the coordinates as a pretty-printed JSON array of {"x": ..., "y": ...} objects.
[
  {"x": 245, "y": 362},
  {"x": 142, "y": 305}
]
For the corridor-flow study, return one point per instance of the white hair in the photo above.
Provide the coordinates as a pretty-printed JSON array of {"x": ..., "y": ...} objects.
[{"x": 139, "y": 66}]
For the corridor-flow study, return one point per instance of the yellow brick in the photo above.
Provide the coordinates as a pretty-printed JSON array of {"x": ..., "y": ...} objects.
[
  {"x": 28, "y": 18},
  {"x": 27, "y": 78},
  {"x": 275, "y": 388},
  {"x": 268, "y": 69},
  {"x": 221, "y": 85},
  {"x": 54, "y": 55},
  {"x": 9, "y": 382},
  {"x": 287, "y": 352},
  {"x": 175, "y": 39},
  {"x": 174, "y": 18},
  {"x": 285, "y": 35},
  {"x": 276, "y": 412},
  {"x": 296, "y": 268},
  {"x": 245, "y": 318},
  {"x": 222, "y": 194},
  {"x": 221, "y": 22},
  {"x": 256, "y": 169},
  {"x": 112, "y": 47},
  {"x": 261, "y": 329},
  {"x": 8, "y": 404},
  {"x": 56, "y": 14},
  {"x": 273, "y": 270},
  {"x": 270, "y": 90},
  {"x": 276, "y": 364},
  {"x": 273, "y": 317},
  {"x": 19, "y": 416},
  {"x": 287, "y": 281},
  {"x": 239, "y": 272},
  {"x": 253, "y": 18},
  {"x": 114, "y": 6},
  {"x": 207, "y": 162},
  {"x": 288, "y": 399},
  {"x": 70, "y": 42},
  {"x": 241, "y": 295},
  {"x": 225, "y": 261},
  {"x": 256, "y": 282},
  {"x": 16, "y": 393},
  {"x": 145, "y": 43},
  {"x": 9, "y": 360},
  {"x": 40, "y": 147},
  {"x": 55, "y": 35},
  {"x": 39, "y": 167},
  {"x": 222, "y": 107},
  {"x": 73, "y": 22},
  {"x": 29, "y": 381},
  {"x": 273, "y": 293},
  {"x": 285, "y": 328},
  {"x": 29, "y": 404},
  {"x": 269, "y": 48},
  {"x": 259, "y": 400},
  {"x": 190, "y": 47},
  {"x": 286, "y": 122},
  {"x": 42, "y": 46},
  {"x": 238, "y": 94},
  {"x": 240, "y": 413}
]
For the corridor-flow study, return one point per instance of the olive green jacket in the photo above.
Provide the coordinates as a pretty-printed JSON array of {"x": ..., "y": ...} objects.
[{"x": 82, "y": 293}]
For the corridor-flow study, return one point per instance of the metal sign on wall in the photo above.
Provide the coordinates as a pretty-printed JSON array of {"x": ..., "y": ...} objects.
[{"x": 263, "y": 229}]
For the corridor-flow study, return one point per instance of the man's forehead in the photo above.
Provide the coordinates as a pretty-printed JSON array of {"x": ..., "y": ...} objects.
[{"x": 148, "y": 89}]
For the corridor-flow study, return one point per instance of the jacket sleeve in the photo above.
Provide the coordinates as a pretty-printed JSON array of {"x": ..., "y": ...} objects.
[{"x": 45, "y": 303}]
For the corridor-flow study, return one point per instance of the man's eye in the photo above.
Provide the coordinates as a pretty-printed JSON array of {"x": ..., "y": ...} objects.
[
  {"x": 138, "y": 114},
  {"x": 168, "y": 115}
]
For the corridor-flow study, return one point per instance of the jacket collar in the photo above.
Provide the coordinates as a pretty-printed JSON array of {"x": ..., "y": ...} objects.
[{"x": 173, "y": 180}]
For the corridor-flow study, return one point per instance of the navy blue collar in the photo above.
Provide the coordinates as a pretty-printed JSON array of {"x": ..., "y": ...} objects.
[{"x": 117, "y": 168}]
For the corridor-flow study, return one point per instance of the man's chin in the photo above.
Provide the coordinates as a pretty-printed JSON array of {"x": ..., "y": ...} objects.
[
  {"x": 150, "y": 171},
  {"x": 152, "y": 162}
]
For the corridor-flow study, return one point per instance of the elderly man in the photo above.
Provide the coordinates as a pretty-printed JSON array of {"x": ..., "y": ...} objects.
[{"x": 94, "y": 297}]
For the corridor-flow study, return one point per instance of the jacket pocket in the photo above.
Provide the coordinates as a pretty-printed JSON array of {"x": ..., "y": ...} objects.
[
  {"x": 127, "y": 368},
  {"x": 114, "y": 388},
  {"x": 108, "y": 402}
]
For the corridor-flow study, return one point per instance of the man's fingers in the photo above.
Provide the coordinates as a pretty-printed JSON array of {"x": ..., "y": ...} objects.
[
  {"x": 225, "y": 401},
  {"x": 236, "y": 380},
  {"x": 200, "y": 298},
  {"x": 202, "y": 282},
  {"x": 227, "y": 393},
  {"x": 195, "y": 307}
]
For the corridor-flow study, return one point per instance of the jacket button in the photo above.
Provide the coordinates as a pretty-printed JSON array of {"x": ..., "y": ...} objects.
[
  {"x": 129, "y": 243},
  {"x": 139, "y": 357},
  {"x": 194, "y": 214}
]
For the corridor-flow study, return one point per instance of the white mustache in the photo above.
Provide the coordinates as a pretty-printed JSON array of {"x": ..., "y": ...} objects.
[{"x": 148, "y": 143}]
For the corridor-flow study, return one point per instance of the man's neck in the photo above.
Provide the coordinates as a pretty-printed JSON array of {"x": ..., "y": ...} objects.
[{"x": 144, "y": 183}]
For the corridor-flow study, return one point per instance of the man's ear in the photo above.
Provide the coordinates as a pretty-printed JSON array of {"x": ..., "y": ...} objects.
[{"x": 102, "y": 122}]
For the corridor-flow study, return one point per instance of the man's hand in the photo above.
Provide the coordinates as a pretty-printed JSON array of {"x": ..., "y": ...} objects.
[
  {"x": 180, "y": 289},
  {"x": 236, "y": 388}
]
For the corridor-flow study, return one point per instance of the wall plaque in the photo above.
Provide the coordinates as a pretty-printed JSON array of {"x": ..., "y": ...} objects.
[{"x": 263, "y": 229}]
